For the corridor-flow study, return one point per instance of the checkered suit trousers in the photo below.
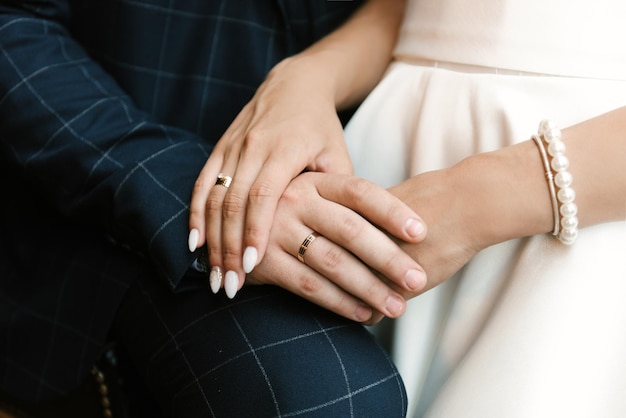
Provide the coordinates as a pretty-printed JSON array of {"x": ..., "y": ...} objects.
[{"x": 265, "y": 354}]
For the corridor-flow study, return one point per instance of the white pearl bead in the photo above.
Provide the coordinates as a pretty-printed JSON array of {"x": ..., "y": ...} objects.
[
  {"x": 563, "y": 179},
  {"x": 568, "y": 236},
  {"x": 569, "y": 222},
  {"x": 566, "y": 195},
  {"x": 545, "y": 125},
  {"x": 569, "y": 209},
  {"x": 556, "y": 147},
  {"x": 559, "y": 163},
  {"x": 552, "y": 135}
]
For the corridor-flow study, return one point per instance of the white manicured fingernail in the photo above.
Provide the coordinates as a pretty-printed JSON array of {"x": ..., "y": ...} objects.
[
  {"x": 250, "y": 255},
  {"x": 231, "y": 283},
  {"x": 215, "y": 279},
  {"x": 194, "y": 235}
]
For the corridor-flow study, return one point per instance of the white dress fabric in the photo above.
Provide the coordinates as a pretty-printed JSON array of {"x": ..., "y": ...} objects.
[{"x": 530, "y": 327}]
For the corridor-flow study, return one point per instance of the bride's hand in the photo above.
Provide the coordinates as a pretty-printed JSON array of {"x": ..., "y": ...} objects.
[
  {"x": 470, "y": 206},
  {"x": 449, "y": 245},
  {"x": 340, "y": 270},
  {"x": 289, "y": 125}
]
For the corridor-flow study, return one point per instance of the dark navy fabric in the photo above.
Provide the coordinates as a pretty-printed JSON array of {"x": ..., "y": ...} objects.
[
  {"x": 266, "y": 354},
  {"x": 108, "y": 110}
]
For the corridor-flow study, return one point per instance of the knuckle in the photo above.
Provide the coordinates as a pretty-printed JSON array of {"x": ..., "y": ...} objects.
[
  {"x": 200, "y": 185},
  {"x": 233, "y": 204},
  {"x": 260, "y": 192},
  {"x": 351, "y": 229},
  {"x": 332, "y": 258},
  {"x": 373, "y": 292},
  {"x": 254, "y": 137},
  {"x": 231, "y": 253},
  {"x": 323, "y": 163},
  {"x": 213, "y": 204},
  {"x": 254, "y": 232},
  {"x": 309, "y": 285},
  {"x": 215, "y": 258},
  {"x": 358, "y": 189},
  {"x": 195, "y": 212},
  {"x": 291, "y": 197}
]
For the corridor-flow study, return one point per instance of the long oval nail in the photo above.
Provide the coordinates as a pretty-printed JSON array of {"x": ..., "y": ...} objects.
[
  {"x": 215, "y": 279},
  {"x": 231, "y": 283},
  {"x": 250, "y": 256},
  {"x": 192, "y": 241}
]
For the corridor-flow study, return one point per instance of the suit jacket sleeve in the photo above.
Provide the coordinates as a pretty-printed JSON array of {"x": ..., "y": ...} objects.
[{"x": 83, "y": 145}]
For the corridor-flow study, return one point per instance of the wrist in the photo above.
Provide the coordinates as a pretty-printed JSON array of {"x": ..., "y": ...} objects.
[
  {"x": 508, "y": 191},
  {"x": 310, "y": 74}
]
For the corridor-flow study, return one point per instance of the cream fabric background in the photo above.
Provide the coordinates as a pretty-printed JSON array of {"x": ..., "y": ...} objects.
[{"x": 530, "y": 327}]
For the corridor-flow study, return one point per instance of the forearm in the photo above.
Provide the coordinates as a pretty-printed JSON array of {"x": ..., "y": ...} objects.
[
  {"x": 349, "y": 62},
  {"x": 597, "y": 152},
  {"x": 493, "y": 197},
  {"x": 513, "y": 190}
]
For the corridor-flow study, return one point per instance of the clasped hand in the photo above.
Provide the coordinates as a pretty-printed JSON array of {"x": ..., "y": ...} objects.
[{"x": 276, "y": 137}]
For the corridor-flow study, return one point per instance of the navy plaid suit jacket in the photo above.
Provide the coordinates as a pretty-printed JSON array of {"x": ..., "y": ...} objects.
[{"x": 108, "y": 110}]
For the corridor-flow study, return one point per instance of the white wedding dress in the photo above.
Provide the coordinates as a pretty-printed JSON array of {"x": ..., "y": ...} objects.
[{"x": 530, "y": 327}]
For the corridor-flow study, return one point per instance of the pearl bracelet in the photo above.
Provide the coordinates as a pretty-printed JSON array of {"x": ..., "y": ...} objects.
[{"x": 556, "y": 165}]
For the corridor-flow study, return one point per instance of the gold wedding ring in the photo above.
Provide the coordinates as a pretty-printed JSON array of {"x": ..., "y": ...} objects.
[
  {"x": 305, "y": 245},
  {"x": 223, "y": 180}
]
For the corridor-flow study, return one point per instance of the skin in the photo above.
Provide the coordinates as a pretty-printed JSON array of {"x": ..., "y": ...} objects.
[
  {"x": 290, "y": 125},
  {"x": 341, "y": 265},
  {"x": 468, "y": 207}
]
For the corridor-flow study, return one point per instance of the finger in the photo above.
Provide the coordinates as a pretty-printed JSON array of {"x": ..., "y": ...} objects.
[
  {"x": 349, "y": 273},
  {"x": 274, "y": 177},
  {"x": 197, "y": 208},
  {"x": 282, "y": 269},
  {"x": 236, "y": 259},
  {"x": 214, "y": 231},
  {"x": 351, "y": 231},
  {"x": 206, "y": 180},
  {"x": 203, "y": 186},
  {"x": 219, "y": 276},
  {"x": 264, "y": 194},
  {"x": 372, "y": 247},
  {"x": 376, "y": 204}
]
